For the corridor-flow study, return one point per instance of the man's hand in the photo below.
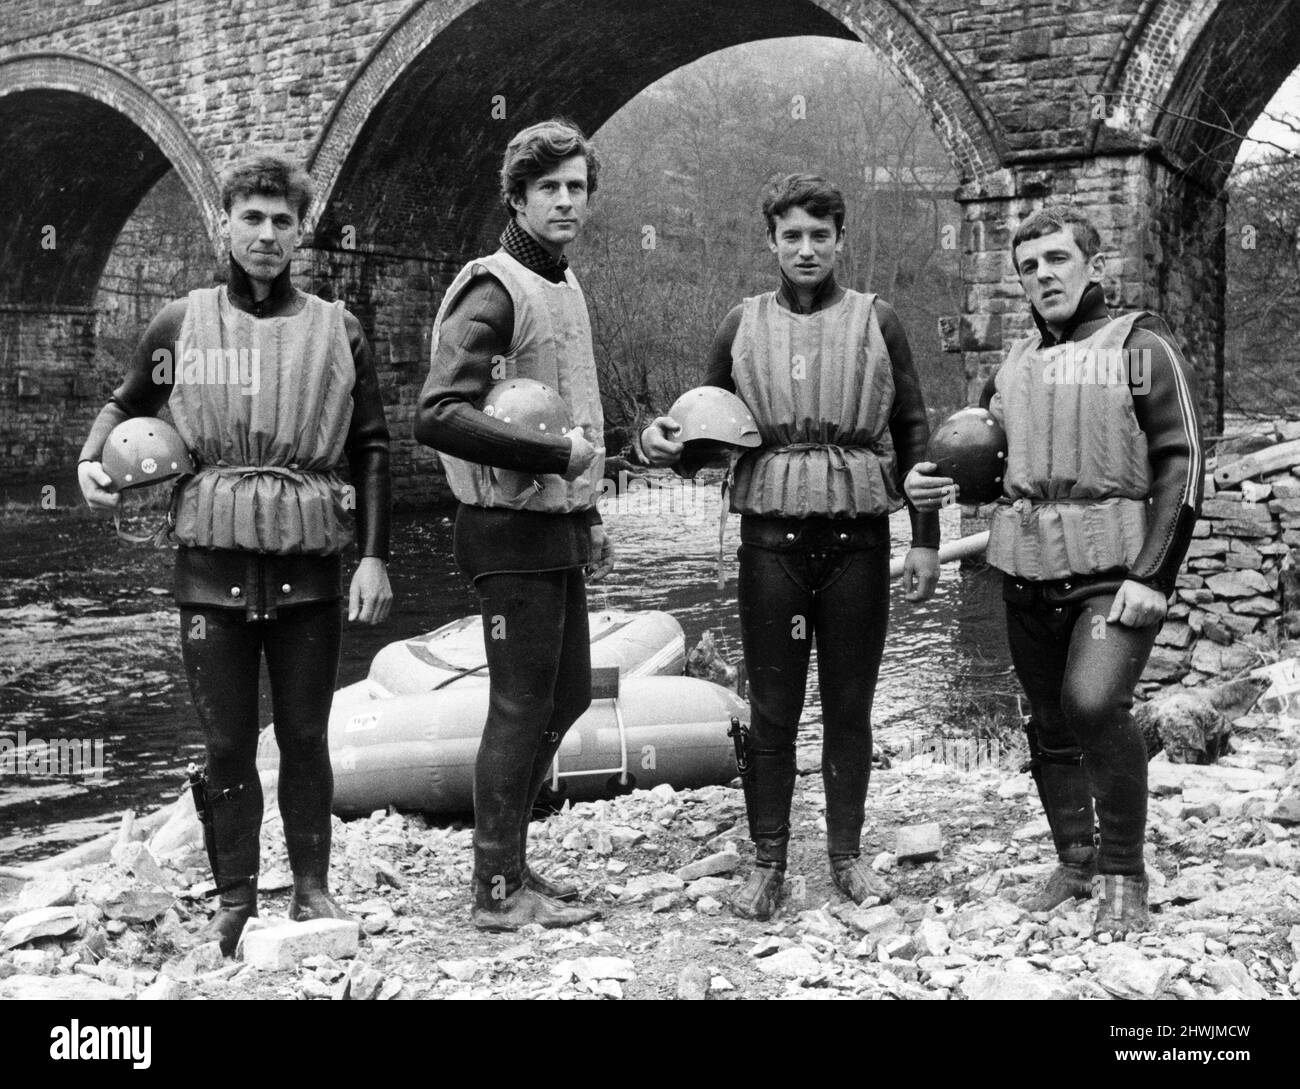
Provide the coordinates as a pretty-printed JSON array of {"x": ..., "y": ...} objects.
[
  {"x": 657, "y": 445},
  {"x": 602, "y": 554},
  {"x": 920, "y": 573},
  {"x": 94, "y": 482},
  {"x": 1136, "y": 605},
  {"x": 581, "y": 455},
  {"x": 928, "y": 492},
  {"x": 370, "y": 597}
]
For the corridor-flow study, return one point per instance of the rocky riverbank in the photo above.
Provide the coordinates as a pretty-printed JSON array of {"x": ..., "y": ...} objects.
[{"x": 1224, "y": 864}]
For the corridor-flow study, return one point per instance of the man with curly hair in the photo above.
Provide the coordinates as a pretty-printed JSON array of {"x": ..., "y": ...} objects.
[{"x": 527, "y": 524}]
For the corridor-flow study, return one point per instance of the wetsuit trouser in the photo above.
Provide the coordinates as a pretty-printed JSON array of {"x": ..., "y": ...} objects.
[
  {"x": 1079, "y": 673},
  {"x": 539, "y": 663},
  {"x": 830, "y": 582},
  {"x": 222, "y": 652}
]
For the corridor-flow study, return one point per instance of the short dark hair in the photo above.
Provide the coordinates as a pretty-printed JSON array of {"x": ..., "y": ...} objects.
[
  {"x": 267, "y": 176},
  {"x": 1058, "y": 217},
  {"x": 811, "y": 192},
  {"x": 540, "y": 148}
]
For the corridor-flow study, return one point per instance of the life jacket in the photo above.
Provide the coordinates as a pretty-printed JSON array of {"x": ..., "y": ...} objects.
[
  {"x": 1077, "y": 479},
  {"x": 269, "y": 453},
  {"x": 821, "y": 389},
  {"x": 551, "y": 344}
]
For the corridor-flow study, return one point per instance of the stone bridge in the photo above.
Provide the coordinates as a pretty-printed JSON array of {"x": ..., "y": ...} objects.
[{"x": 1133, "y": 108}]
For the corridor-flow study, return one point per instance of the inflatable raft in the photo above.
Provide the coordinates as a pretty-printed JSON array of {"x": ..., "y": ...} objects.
[{"x": 408, "y": 734}]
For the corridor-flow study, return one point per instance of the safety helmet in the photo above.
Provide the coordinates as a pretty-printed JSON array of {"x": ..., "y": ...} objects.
[
  {"x": 529, "y": 404},
  {"x": 713, "y": 423},
  {"x": 144, "y": 450},
  {"x": 971, "y": 448}
]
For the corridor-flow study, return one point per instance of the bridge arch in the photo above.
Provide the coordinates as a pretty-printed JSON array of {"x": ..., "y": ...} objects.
[
  {"x": 402, "y": 158},
  {"x": 81, "y": 143}
]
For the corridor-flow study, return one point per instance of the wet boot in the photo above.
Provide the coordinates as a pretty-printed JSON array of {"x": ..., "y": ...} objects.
[
  {"x": 1067, "y": 800},
  {"x": 525, "y": 906},
  {"x": 555, "y": 890},
  {"x": 237, "y": 905},
  {"x": 854, "y": 877},
  {"x": 231, "y": 835},
  {"x": 769, "y": 792},
  {"x": 846, "y": 783},
  {"x": 1071, "y": 880},
  {"x": 761, "y": 894},
  {"x": 502, "y": 802},
  {"x": 1121, "y": 905},
  {"x": 309, "y": 859}
]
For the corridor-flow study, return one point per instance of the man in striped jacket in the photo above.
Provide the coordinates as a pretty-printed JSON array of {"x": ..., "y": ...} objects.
[{"x": 1102, "y": 488}]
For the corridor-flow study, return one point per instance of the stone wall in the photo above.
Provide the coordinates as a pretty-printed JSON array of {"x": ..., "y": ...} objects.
[
  {"x": 1232, "y": 591},
  {"x": 45, "y": 410}
]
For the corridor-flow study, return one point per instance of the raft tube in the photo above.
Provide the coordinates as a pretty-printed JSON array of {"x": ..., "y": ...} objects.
[
  {"x": 416, "y": 752},
  {"x": 640, "y": 644}
]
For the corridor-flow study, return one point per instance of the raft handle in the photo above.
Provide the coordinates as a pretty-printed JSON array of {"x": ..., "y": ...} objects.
[{"x": 621, "y": 770}]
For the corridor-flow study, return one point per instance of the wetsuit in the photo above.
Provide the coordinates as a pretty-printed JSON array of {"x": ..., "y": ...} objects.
[
  {"x": 237, "y": 605},
  {"x": 823, "y": 575},
  {"x": 1078, "y": 671},
  {"x": 527, "y": 565}
]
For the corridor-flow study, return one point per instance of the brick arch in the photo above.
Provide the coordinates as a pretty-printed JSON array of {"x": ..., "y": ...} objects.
[
  {"x": 934, "y": 77},
  {"x": 81, "y": 142},
  {"x": 1193, "y": 75},
  {"x": 400, "y": 157}
]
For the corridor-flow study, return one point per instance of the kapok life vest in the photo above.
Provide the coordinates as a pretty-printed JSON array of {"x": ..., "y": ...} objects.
[
  {"x": 264, "y": 404},
  {"x": 1078, "y": 478},
  {"x": 821, "y": 389},
  {"x": 551, "y": 344}
]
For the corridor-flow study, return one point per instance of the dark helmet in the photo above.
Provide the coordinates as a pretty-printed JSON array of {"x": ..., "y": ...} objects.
[
  {"x": 144, "y": 450},
  {"x": 971, "y": 448},
  {"x": 714, "y": 423},
  {"x": 529, "y": 404}
]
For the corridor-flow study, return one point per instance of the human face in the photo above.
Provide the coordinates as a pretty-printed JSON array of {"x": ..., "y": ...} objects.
[
  {"x": 263, "y": 233},
  {"x": 805, "y": 246},
  {"x": 554, "y": 205},
  {"x": 1055, "y": 274}
]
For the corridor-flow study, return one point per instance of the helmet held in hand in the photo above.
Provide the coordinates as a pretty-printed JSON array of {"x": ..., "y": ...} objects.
[
  {"x": 715, "y": 423},
  {"x": 971, "y": 448},
  {"x": 529, "y": 404},
  {"x": 144, "y": 450}
]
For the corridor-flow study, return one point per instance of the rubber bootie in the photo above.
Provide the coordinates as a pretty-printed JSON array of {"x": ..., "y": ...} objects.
[
  {"x": 312, "y": 900},
  {"x": 238, "y": 904},
  {"x": 555, "y": 890},
  {"x": 760, "y": 895},
  {"x": 1121, "y": 905},
  {"x": 526, "y": 906},
  {"x": 1071, "y": 880},
  {"x": 854, "y": 877},
  {"x": 541, "y": 771}
]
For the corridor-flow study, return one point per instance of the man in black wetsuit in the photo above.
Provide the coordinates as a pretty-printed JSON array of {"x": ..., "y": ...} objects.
[
  {"x": 527, "y": 525},
  {"x": 827, "y": 374},
  {"x": 1102, "y": 488},
  {"x": 270, "y": 389}
]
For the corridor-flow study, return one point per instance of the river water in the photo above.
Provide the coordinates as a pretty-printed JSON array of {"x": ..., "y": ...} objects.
[{"x": 89, "y": 646}]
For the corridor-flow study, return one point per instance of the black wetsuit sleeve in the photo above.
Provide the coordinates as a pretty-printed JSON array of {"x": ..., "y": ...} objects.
[
  {"x": 717, "y": 370},
  {"x": 477, "y": 327},
  {"x": 1166, "y": 411},
  {"x": 908, "y": 425},
  {"x": 147, "y": 385},
  {"x": 367, "y": 448}
]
